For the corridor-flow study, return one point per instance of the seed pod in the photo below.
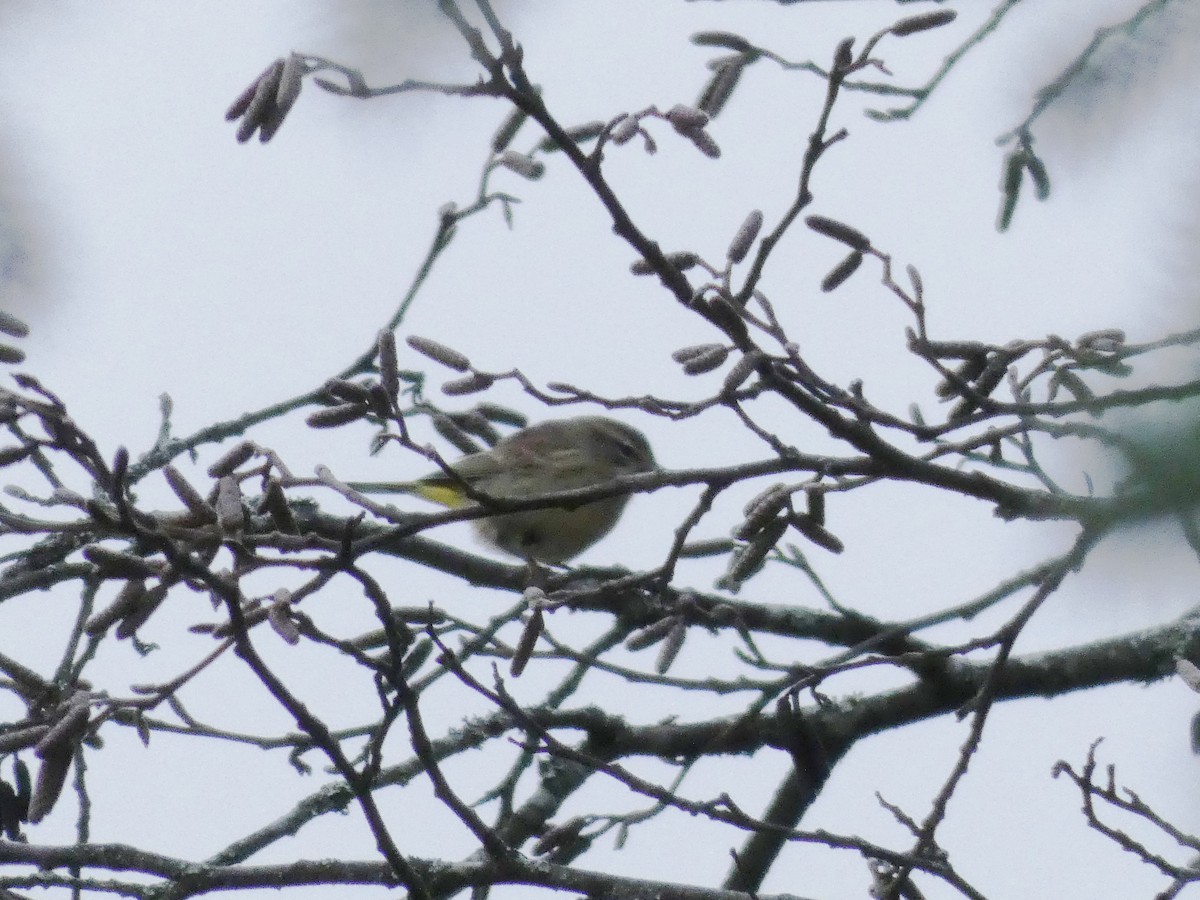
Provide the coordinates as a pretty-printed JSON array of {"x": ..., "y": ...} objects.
[
  {"x": 721, "y": 85},
  {"x": 671, "y": 646},
  {"x": 624, "y": 130},
  {"x": 751, "y": 556},
  {"x": 473, "y": 423},
  {"x": 120, "y": 468},
  {"x": 143, "y": 730},
  {"x": 508, "y": 129},
  {"x": 1014, "y": 169},
  {"x": 127, "y": 600},
  {"x": 1010, "y": 187},
  {"x": 52, "y": 775},
  {"x": 230, "y": 514},
  {"x": 12, "y": 326},
  {"x": 279, "y": 617},
  {"x": 21, "y": 738},
  {"x": 270, "y": 121},
  {"x": 253, "y": 103},
  {"x": 1041, "y": 178},
  {"x": 525, "y": 166},
  {"x": 10, "y": 816},
  {"x": 1007, "y": 209},
  {"x": 851, "y": 237},
  {"x": 923, "y": 22},
  {"x": 703, "y": 141},
  {"x": 706, "y": 362},
  {"x": 725, "y": 39},
  {"x": 291, "y": 79},
  {"x": 261, "y": 106},
  {"x": 816, "y": 506},
  {"x": 915, "y": 277},
  {"x": 529, "y": 636},
  {"x": 439, "y": 353},
  {"x": 118, "y": 563},
  {"x": 745, "y": 236},
  {"x": 843, "y": 55},
  {"x": 65, "y": 733},
  {"x": 469, "y": 384},
  {"x": 502, "y": 414},
  {"x": 817, "y": 534},
  {"x": 948, "y": 349},
  {"x": 11, "y": 455},
  {"x": 448, "y": 428},
  {"x": 761, "y": 510},
  {"x": 585, "y": 132},
  {"x": 683, "y": 260},
  {"x": 237, "y": 455},
  {"x": 686, "y": 118},
  {"x": 843, "y": 270},
  {"x": 11, "y": 355},
  {"x": 335, "y": 416},
  {"x": 683, "y": 354},
  {"x": 993, "y": 373},
  {"x": 701, "y": 549},
  {"x": 189, "y": 496},
  {"x": 388, "y": 364},
  {"x": 26, "y": 681},
  {"x": 276, "y": 504},
  {"x": 141, "y": 613},
  {"x": 23, "y": 785},
  {"x": 242, "y": 103},
  {"x": 641, "y": 267},
  {"x": 743, "y": 369},
  {"x": 347, "y": 391},
  {"x": 650, "y": 635},
  {"x": 1076, "y": 385}
]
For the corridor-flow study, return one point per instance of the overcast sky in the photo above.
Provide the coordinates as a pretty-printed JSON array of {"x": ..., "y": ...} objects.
[{"x": 151, "y": 253}]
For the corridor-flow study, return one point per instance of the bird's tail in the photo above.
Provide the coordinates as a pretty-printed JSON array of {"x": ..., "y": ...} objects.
[{"x": 443, "y": 494}]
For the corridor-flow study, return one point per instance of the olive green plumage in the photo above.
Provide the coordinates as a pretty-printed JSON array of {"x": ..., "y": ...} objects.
[{"x": 558, "y": 455}]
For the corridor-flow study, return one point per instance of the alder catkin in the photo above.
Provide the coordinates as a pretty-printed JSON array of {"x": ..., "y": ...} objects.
[{"x": 439, "y": 353}]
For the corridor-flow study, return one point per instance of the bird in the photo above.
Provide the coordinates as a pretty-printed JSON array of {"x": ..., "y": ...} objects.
[{"x": 555, "y": 455}]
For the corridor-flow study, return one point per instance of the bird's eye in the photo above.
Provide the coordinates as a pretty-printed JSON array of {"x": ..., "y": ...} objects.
[{"x": 628, "y": 452}]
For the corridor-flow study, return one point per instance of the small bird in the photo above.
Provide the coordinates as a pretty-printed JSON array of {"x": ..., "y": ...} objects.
[{"x": 557, "y": 455}]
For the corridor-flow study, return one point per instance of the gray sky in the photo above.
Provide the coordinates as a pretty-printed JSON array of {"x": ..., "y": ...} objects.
[{"x": 159, "y": 255}]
